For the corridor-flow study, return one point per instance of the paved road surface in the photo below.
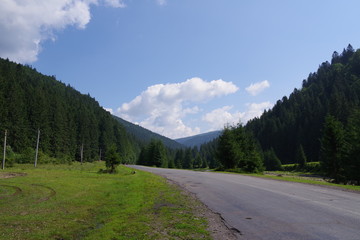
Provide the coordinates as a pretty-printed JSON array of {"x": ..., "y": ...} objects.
[{"x": 268, "y": 209}]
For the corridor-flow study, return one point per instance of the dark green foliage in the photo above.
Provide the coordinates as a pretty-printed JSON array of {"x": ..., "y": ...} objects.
[
  {"x": 271, "y": 161},
  {"x": 198, "y": 161},
  {"x": 154, "y": 154},
  {"x": 300, "y": 157},
  {"x": 333, "y": 149},
  {"x": 298, "y": 119},
  {"x": 340, "y": 149},
  {"x": 237, "y": 149},
  {"x": 179, "y": 158},
  {"x": 188, "y": 161},
  {"x": 66, "y": 118},
  {"x": 352, "y": 161},
  {"x": 208, "y": 153},
  {"x": 112, "y": 159}
]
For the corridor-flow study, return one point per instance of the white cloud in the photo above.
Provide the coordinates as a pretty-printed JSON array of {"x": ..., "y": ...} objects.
[
  {"x": 115, "y": 3},
  {"x": 256, "y": 88},
  {"x": 220, "y": 117},
  {"x": 162, "y": 107},
  {"x": 110, "y": 110},
  {"x": 24, "y": 25},
  {"x": 255, "y": 110}
]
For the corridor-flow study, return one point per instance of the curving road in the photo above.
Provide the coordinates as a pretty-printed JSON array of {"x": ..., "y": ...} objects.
[{"x": 268, "y": 209}]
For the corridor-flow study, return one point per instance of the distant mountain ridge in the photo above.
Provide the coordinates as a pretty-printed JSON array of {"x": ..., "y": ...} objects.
[
  {"x": 144, "y": 136},
  {"x": 198, "y": 140}
]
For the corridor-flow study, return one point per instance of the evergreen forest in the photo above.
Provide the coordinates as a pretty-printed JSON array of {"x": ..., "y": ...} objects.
[
  {"x": 72, "y": 126},
  {"x": 319, "y": 122}
]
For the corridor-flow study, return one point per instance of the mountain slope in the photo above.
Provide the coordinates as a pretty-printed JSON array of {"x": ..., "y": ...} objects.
[
  {"x": 67, "y": 119},
  {"x": 298, "y": 120},
  {"x": 144, "y": 135},
  {"x": 198, "y": 140}
]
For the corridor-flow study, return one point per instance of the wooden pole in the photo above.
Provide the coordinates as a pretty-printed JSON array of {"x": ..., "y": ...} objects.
[
  {"x": 82, "y": 153},
  {"x": 3, "y": 162},
  {"x": 37, "y": 148},
  {"x": 100, "y": 155}
]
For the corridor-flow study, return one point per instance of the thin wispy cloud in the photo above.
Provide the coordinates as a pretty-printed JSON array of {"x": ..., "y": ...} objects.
[
  {"x": 256, "y": 88},
  {"x": 161, "y": 2}
]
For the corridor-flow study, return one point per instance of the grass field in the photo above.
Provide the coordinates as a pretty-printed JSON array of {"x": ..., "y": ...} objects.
[{"x": 76, "y": 202}]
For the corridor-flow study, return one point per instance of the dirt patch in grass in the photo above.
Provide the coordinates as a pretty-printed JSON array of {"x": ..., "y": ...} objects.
[
  {"x": 216, "y": 224},
  {"x": 11, "y": 175}
]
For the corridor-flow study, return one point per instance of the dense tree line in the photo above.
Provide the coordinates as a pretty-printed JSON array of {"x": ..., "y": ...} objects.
[
  {"x": 340, "y": 149},
  {"x": 237, "y": 149},
  {"x": 318, "y": 122},
  {"x": 156, "y": 154},
  {"x": 298, "y": 120},
  {"x": 67, "y": 119}
]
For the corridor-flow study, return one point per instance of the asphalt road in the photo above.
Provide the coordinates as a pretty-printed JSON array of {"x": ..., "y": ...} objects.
[{"x": 270, "y": 209}]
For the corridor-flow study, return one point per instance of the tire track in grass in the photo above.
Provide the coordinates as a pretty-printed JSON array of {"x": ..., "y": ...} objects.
[
  {"x": 47, "y": 197},
  {"x": 16, "y": 192}
]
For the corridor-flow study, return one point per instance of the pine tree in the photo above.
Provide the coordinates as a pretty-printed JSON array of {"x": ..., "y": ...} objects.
[
  {"x": 333, "y": 149},
  {"x": 228, "y": 152},
  {"x": 188, "y": 159},
  {"x": 300, "y": 157},
  {"x": 352, "y": 160},
  {"x": 112, "y": 159},
  {"x": 271, "y": 161}
]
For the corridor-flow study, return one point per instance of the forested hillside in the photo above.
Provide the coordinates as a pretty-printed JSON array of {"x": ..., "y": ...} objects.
[
  {"x": 67, "y": 119},
  {"x": 199, "y": 139},
  {"x": 144, "y": 136},
  {"x": 297, "y": 122}
]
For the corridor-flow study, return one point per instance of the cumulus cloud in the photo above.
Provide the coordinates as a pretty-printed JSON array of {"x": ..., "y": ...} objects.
[
  {"x": 255, "y": 110},
  {"x": 110, "y": 110},
  {"x": 220, "y": 117},
  {"x": 256, "y": 88},
  {"x": 24, "y": 25},
  {"x": 162, "y": 107}
]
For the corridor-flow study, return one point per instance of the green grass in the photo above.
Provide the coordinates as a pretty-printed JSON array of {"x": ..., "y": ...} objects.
[
  {"x": 294, "y": 177},
  {"x": 76, "y": 202}
]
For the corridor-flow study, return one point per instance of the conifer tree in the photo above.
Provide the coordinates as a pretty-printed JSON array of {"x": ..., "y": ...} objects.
[
  {"x": 333, "y": 149},
  {"x": 300, "y": 157},
  {"x": 112, "y": 159}
]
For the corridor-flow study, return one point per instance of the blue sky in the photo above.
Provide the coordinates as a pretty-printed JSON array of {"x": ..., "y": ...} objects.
[{"x": 179, "y": 67}]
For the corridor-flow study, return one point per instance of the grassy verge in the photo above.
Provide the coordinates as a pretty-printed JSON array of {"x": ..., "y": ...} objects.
[
  {"x": 301, "y": 177},
  {"x": 295, "y": 177},
  {"x": 76, "y": 202}
]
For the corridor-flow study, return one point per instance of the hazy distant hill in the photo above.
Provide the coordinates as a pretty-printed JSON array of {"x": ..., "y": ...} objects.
[
  {"x": 198, "y": 140},
  {"x": 144, "y": 135}
]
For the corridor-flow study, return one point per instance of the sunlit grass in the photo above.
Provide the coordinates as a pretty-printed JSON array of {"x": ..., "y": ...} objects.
[{"x": 76, "y": 202}]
